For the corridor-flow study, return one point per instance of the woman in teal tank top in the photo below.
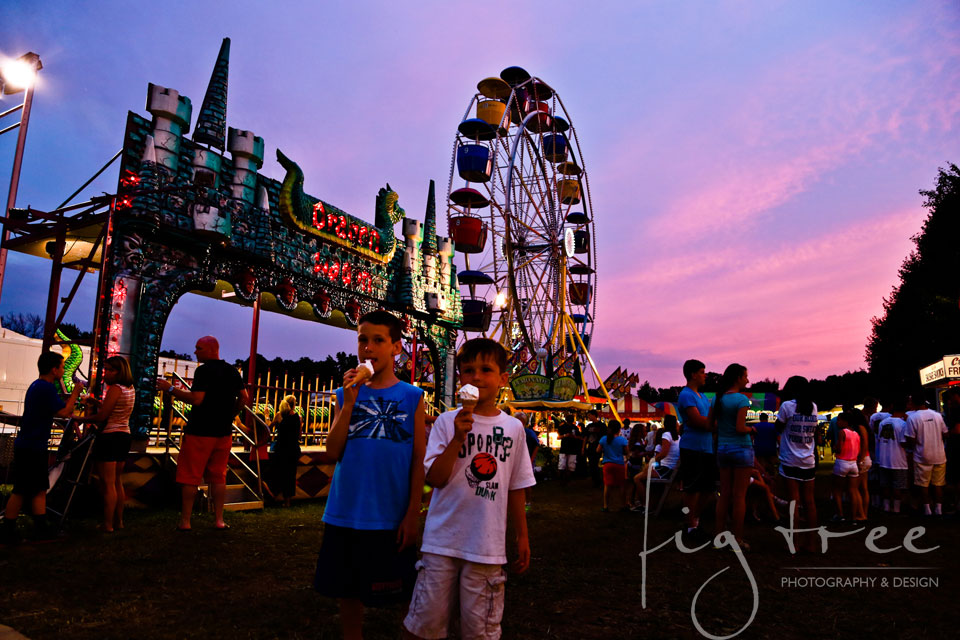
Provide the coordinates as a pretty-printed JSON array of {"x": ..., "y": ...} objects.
[{"x": 734, "y": 449}]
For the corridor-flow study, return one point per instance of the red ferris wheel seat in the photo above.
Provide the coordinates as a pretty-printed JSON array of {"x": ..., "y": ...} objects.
[
  {"x": 580, "y": 293},
  {"x": 469, "y": 234}
]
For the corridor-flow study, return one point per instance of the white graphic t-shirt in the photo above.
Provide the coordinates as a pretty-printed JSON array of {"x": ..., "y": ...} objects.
[
  {"x": 890, "y": 439},
  {"x": 468, "y": 517},
  {"x": 928, "y": 427},
  {"x": 799, "y": 436},
  {"x": 876, "y": 419}
]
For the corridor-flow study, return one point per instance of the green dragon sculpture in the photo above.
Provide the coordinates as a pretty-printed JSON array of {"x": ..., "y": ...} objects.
[
  {"x": 326, "y": 221},
  {"x": 72, "y": 358}
]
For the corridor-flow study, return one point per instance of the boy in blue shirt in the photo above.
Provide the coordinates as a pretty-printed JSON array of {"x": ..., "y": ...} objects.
[
  {"x": 30, "y": 457},
  {"x": 371, "y": 521},
  {"x": 698, "y": 462}
]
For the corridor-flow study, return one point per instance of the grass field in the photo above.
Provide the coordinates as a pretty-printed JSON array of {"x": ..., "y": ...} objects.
[{"x": 585, "y": 580}]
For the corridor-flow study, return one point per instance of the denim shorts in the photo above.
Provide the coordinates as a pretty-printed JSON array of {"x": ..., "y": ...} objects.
[{"x": 734, "y": 456}]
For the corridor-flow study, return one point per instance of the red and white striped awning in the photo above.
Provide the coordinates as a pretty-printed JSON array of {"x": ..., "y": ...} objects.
[{"x": 634, "y": 408}]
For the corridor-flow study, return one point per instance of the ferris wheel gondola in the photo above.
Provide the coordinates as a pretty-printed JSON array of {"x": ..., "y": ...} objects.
[{"x": 519, "y": 211}]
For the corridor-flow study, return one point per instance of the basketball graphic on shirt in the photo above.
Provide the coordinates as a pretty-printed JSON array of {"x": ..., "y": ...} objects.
[{"x": 482, "y": 468}]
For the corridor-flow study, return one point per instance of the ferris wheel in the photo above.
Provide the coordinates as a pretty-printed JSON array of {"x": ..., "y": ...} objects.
[{"x": 519, "y": 212}]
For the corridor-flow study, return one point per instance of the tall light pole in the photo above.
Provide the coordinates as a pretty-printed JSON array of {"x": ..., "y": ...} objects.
[{"x": 16, "y": 76}]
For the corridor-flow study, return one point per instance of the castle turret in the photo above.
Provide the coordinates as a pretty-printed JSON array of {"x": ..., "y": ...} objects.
[
  {"x": 247, "y": 152},
  {"x": 412, "y": 234},
  {"x": 171, "y": 121},
  {"x": 444, "y": 263},
  {"x": 430, "y": 240},
  {"x": 430, "y": 223},
  {"x": 209, "y": 218},
  {"x": 212, "y": 122}
]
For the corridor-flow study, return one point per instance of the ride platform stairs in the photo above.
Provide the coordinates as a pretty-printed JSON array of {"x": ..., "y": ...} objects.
[{"x": 245, "y": 488}]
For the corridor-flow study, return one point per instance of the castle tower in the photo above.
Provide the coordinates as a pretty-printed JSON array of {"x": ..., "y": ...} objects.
[
  {"x": 429, "y": 245},
  {"x": 212, "y": 122},
  {"x": 247, "y": 152},
  {"x": 208, "y": 217},
  {"x": 171, "y": 121},
  {"x": 430, "y": 223}
]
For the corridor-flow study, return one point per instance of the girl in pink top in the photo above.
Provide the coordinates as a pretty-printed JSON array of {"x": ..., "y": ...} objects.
[
  {"x": 112, "y": 445},
  {"x": 845, "y": 470}
]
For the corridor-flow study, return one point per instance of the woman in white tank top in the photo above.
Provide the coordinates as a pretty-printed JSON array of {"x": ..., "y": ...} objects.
[{"x": 112, "y": 444}]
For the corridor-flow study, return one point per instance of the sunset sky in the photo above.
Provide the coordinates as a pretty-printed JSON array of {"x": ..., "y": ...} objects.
[{"x": 754, "y": 167}]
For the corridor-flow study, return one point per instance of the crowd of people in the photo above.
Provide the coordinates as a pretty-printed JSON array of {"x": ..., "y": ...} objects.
[
  {"x": 481, "y": 462},
  {"x": 890, "y": 458}
]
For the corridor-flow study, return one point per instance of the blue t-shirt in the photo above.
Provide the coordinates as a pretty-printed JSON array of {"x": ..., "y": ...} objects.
[
  {"x": 613, "y": 452},
  {"x": 371, "y": 483},
  {"x": 532, "y": 440},
  {"x": 765, "y": 442},
  {"x": 690, "y": 438},
  {"x": 726, "y": 410},
  {"x": 39, "y": 405}
]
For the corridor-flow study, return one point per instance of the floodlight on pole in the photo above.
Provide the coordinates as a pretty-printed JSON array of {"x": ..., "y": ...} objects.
[{"x": 16, "y": 76}]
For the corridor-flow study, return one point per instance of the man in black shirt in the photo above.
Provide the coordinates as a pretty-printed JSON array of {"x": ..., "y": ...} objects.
[
  {"x": 570, "y": 447},
  {"x": 595, "y": 430},
  {"x": 217, "y": 396}
]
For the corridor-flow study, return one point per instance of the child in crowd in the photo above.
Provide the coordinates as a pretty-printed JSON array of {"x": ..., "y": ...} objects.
[
  {"x": 892, "y": 461},
  {"x": 614, "y": 448},
  {"x": 368, "y": 553},
  {"x": 698, "y": 462},
  {"x": 479, "y": 466},
  {"x": 112, "y": 446},
  {"x": 30, "y": 458}
]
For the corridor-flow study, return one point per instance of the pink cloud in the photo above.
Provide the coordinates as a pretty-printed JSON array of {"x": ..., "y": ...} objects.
[{"x": 799, "y": 307}]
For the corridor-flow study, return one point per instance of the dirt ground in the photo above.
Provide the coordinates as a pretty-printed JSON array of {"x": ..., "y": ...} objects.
[{"x": 585, "y": 580}]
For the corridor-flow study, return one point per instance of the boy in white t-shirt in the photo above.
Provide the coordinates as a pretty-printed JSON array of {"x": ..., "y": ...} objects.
[
  {"x": 477, "y": 462},
  {"x": 892, "y": 456},
  {"x": 924, "y": 434}
]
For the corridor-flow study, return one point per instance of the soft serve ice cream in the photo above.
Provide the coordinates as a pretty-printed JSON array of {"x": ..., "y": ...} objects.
[
  {"x": 364, "y": 373},
  {"x": 469, "y": 396}
]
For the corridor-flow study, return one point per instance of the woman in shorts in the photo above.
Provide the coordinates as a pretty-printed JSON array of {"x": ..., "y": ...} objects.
[
  {"x": 614, "y": 448},
  {"x": 735, "y": 457},
  {"x": 864, "y": 462},
  {"x": 799, "y": 437},
  {"x": 845, "y": 469},
  {"x": 112, "y": 445}
]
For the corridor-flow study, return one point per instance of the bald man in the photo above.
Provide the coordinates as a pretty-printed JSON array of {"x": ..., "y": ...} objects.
[{"x": 217, "y": 396}]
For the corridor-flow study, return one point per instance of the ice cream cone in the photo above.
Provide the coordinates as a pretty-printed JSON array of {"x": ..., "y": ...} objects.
[
  {"x": 469, "y": 396},
  {"x": 364, "y": 373}
]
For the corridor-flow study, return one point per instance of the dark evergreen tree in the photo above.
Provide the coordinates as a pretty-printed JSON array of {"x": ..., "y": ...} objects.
[{"x": 921, "y": 317}]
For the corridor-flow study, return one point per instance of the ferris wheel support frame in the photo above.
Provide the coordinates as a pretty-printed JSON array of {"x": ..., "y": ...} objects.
[{"x": 567, "y": 320}]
